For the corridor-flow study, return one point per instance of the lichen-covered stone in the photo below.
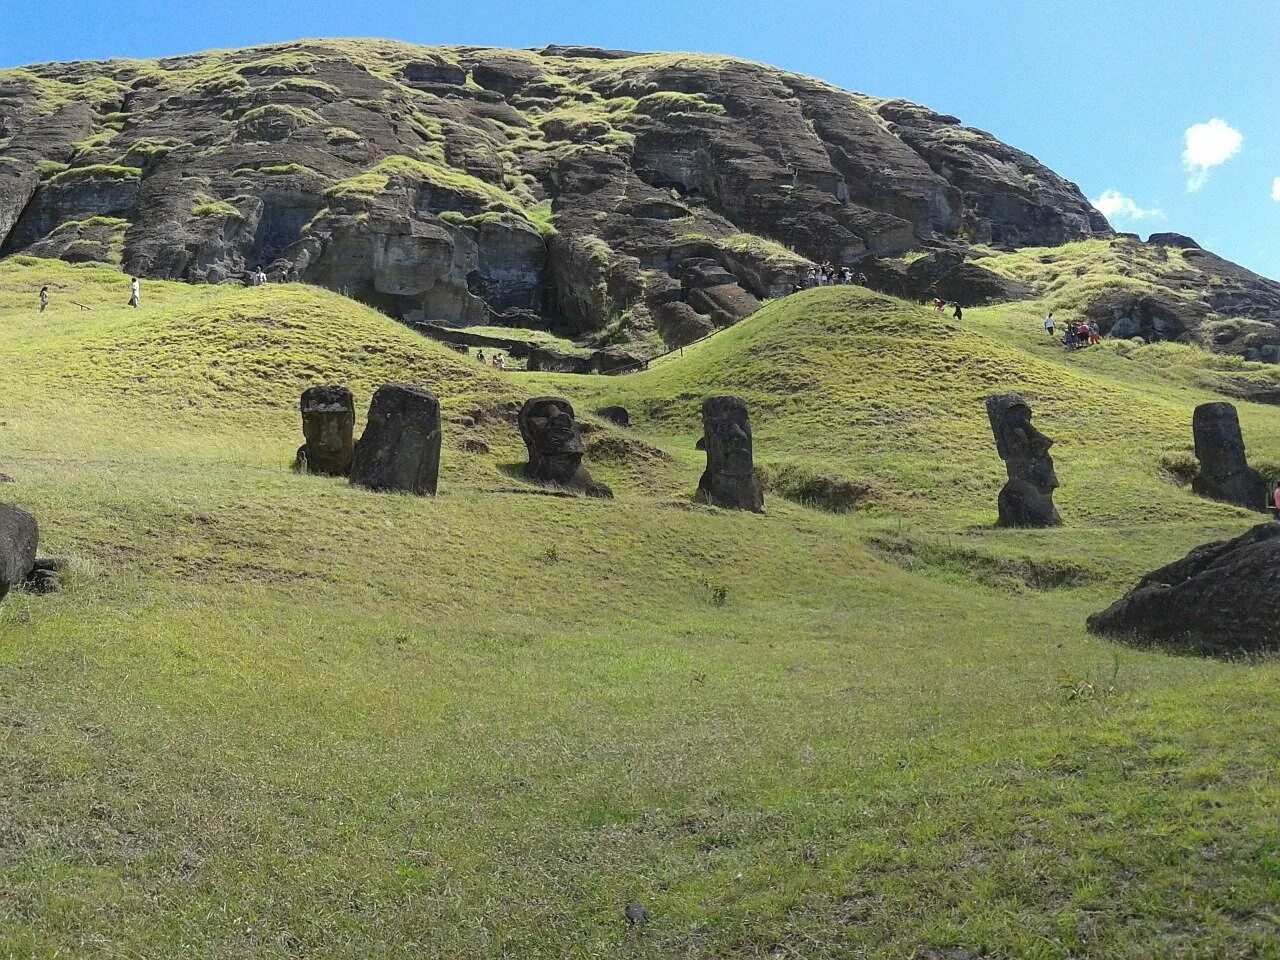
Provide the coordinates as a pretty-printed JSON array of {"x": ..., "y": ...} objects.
[{"x": 328, "y": 424}]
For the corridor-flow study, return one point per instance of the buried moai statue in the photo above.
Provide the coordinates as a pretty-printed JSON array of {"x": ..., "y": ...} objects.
[
  {"x": 730, "y": 478},
  {"x": 1027, "y": 499},
  {"x": 19, "y": 565},
  {"x": 400, "y": 447},
  {"x": 328, "y": 424},
  {"x": 1225, "y": 473},
  {"x": 550, "y": 432}
]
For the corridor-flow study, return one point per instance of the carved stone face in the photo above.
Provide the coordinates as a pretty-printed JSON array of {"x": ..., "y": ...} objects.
[
  {"x": 1029, "y": 450},
  {"x": 1027, "y": 499},
  {"x": 328, "y": 424},
  {"x": 550, "y": 433},
  {"x": 1218, "y": 440},
  {"x": 730, "y": 478},
  {"x": 727, "y": 433}
]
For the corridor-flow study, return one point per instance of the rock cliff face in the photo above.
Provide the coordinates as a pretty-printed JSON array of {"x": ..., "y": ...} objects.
[{"x": 618, "y": 196}]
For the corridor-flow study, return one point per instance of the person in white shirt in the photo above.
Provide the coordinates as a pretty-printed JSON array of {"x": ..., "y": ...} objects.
[{"x": 134, "y": 290}]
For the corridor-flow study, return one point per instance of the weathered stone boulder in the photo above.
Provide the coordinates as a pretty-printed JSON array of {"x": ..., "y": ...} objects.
[
  {"x": 1026, "y": 500},
  {"x": 1222, "y": 598},
  {"x": 1124, "y": 314},
  {"x": 615, "y": 415},
  {"x": 1225, "y": 473},
  {"x": 730, "y": 477},
  {"x": 400, "y": 447},
  {"x": 19, "y": 538},
  {"x": 550, "y": 432},
  {"x": 1180, "y": 240},
  {"x": 328, "y": 423},
  {"x": 941, "y": 273}
]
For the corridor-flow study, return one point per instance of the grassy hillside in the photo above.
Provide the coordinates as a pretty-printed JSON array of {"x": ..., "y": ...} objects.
[{"x": 275, "y": 716}]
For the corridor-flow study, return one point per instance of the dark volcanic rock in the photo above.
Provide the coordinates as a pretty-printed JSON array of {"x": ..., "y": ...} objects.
[
  {"x": 19, "y": 538},
  {"x": 1026, "y": 500},
  {"x": 1225, "y": 473},
  {"x": 941, "y": 273},
  {"x": 683, "y": 190},
  {"x": 550, "y": 432},
  {"x": 615, "y": 415},
  {"x": 1173, "y": 240},
  {"x": 1009, "y": 197},
  {"x": 400, "y": 447},
  {"x": 730, "y": 478},
  {"x": 1222, "y": 598},
  {"x": 1153, "y": 317},
  {"x": 328, "y": 423}
]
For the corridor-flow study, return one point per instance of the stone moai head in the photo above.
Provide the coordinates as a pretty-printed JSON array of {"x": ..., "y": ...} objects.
[
  {"x": 1027, "y": 498},
  {"x": 328, "y": 424},
  {"x": 730, "y": 478},
  {"x": 1224, "y": 473},
  {"x": 1023, "y": 448},
  {"x": 550, "y": 431},
  {"x": 1218, "y": 440},
  {"x": 400, "y": 447}
]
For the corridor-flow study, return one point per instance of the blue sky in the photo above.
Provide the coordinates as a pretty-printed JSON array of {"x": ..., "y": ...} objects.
[{"x": 1103, "y": 92}]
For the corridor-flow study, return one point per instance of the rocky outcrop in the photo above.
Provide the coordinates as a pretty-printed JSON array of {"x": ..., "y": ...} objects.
[
  {"x": 1008, "y": 196},
  {"x": 610, "y": 195},
  {"x": 946, "y": 274},
  {"x": 1222, "y": 598}
]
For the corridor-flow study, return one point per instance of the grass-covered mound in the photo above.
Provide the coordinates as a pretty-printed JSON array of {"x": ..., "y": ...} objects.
[
  {"x": 273, "y": 716},
  {"x": 850, "y": 383}
]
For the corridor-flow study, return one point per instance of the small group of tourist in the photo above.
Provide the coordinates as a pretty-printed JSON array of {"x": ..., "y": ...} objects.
[
  {"x": 939, "y": 305},
  {"x": 498, "y": 361},
  {"x": 1079, "y": 336},
  {"x": 828, "y": 276},
  {"x": 257, "y": 278}
]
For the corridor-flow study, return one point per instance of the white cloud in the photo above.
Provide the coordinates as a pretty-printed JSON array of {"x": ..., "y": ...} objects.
[
  {"x": 1275, "y": 189},
  {"x": 1208, "y": 145},
  {"x": 1114, "y": 205}
]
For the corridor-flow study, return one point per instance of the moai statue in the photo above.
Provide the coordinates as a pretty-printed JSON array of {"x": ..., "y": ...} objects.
[
  {"x": 328, "y": 422},
  {"x": 550, "y": 432},
  {"x": 1225, "y": 474},
  {"x": 19, "y": 538},
  {"x": 1027, "y": 499},
  {"x": 730, "y": 478},
  {"x": 400, "y": 447}
]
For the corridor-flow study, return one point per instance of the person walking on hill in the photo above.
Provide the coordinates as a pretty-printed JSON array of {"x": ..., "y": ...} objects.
[
  {"x": 959, "y": 312},
  {"x": 44, "y": 298},
  {"x": 1048, "y": 323},
  {"x": 135, "y": 293},
  {"x": 938, "y": 304}
]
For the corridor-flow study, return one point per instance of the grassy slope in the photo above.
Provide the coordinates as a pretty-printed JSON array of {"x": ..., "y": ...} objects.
[{"x": 275, "y": 716}]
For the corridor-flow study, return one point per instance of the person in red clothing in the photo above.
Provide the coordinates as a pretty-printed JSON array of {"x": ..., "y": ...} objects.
[{"x": 1275, "y": 499}]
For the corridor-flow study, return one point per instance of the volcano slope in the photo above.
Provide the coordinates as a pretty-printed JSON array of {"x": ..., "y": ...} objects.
[{"x": 272, "y": 715}]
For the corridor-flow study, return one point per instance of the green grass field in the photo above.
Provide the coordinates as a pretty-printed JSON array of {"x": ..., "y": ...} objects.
[{"x": 274, "y": 716}]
